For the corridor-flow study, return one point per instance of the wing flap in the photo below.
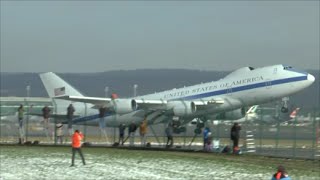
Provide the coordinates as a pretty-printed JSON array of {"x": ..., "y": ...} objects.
[
  {"x": 210, "y": 102},
  {"x": 54, "y": 116},
  {"x": 92, "y": 100}
]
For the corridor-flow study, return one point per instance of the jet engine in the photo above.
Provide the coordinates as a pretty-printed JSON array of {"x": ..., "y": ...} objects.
[
  {"x": 232, "y": 115},
  {"x": 182, "y": 108},
  {"x": 123, "y": 106}
]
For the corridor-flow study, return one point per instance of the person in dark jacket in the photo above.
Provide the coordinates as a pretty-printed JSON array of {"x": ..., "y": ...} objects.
[
  {"x": 235, "y": 135},
  {"x": 20, "y": 121},
  {"x": 122, "y": 128},
  {"x": 45, "y": 114},
  {"x": 70, "y": 111},
  {"x": 132, "y": 130},
  {"x": 169, "y": 135}
]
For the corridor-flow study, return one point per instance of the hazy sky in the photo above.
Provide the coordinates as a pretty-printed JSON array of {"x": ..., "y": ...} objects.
[{"x": 83, "y": 36}]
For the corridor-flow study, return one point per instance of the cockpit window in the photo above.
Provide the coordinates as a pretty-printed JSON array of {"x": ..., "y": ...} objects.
[
  {"x": 251, "y": 68},
  {"x": 287, "y": 67}
]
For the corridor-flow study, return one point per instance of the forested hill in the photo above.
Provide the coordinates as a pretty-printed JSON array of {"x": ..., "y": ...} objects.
[{"x": 148, "y": 81}]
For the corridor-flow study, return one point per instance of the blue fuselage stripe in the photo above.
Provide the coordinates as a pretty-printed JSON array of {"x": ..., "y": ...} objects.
[
  {"x": 89, "y": 118},
  {"x": 243, "y": 88}
]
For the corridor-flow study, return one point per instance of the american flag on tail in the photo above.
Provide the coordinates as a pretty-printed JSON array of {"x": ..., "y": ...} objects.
[{"x": 59, "y": 91}]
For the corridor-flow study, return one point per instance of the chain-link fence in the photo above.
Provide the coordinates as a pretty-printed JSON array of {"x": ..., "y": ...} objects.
[{"x": 295, "y": 137}]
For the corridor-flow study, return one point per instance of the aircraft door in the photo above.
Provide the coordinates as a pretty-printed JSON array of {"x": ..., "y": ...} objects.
[
  {"x": 268, "y": 84},
  {"x": 275, "y": 71},
  {"x": 229, "y": 91}
]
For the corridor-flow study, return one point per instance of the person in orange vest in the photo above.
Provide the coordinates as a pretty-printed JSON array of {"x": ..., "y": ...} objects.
[
  {"x": 143, "y": 132},
  {"x": 281, "y": 174},
  {"x": 76, "y": 145}
]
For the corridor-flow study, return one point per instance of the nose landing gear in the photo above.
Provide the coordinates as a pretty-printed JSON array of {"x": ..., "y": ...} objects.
[{"x": 284, "y": 108}]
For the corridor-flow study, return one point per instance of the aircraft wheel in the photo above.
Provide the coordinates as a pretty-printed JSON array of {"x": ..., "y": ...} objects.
[
  {"x": 197, "y": 131},
  {"x": 284, "y": 110}
]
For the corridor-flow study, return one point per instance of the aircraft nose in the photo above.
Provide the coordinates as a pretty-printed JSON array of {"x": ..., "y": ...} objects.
[{"x": 311, "y": 78}]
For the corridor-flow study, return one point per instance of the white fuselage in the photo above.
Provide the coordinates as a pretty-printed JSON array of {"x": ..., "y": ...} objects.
[{"x": 243, "y": 87}]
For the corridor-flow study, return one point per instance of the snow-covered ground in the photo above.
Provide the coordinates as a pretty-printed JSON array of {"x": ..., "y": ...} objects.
[{"x": 53, "y": 163}]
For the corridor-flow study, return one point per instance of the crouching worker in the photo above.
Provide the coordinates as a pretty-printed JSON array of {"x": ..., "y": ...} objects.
[
  {"x": 76, "y": 146},
  {"x": 226, "y": 149},
  {"x": 281, "y": 174}
]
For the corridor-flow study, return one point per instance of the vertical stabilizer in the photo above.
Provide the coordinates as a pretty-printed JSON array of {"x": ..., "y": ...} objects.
[
  {"x": 55, "y": 86},
  {"x": 294, "y": 113},
  {"x": 252, "y": 109}
]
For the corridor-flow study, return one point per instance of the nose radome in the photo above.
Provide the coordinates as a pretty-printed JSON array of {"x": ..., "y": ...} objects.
[{"x": 311, "y": 78}]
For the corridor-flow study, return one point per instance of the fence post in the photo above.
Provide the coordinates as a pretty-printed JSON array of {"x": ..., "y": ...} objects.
[
  {"x": 27, "y": 123},
  {"x": 277, "y": 136},
  {"x": 85, "y": 122},
  {"x": 114, "y": 134},
  {"x": 260, "y": 130},
  {"x": 314, "y": 134},
  {"x": 184, "y": 139},
  {"x": 294, "y": 137},
  {"x": 55, "y": 121}
]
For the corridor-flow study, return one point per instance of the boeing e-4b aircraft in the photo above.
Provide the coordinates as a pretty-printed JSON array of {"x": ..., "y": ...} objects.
[{"x": 226, "y": 97}]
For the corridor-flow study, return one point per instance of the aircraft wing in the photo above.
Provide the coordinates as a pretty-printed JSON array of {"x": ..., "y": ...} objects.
[
  {"x": 142, "y": 103},
  {"x": 56, "y": 116},
  {"x": 92, "y": 100}
]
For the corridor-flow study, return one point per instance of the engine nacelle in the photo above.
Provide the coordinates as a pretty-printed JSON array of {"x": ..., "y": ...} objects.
[
  {"x": 232, "y": 115},
  {"x": 123, "y": 106},
  {"x": 182, "y": 108}
]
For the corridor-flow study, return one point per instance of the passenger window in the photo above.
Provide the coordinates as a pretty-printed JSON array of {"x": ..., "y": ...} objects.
[{"x": 275, "y": 70}]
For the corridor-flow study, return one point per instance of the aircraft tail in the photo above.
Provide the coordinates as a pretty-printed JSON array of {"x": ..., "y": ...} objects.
[
  {"x": 252, "y": 109},
  {"x": 55, "y": 86},
  {"x": 294, "y": 113}
]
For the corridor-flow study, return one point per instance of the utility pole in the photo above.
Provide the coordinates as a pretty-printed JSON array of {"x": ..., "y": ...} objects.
[
  {"x": 106, "y": 91},
  {"x": 28, "y": 89},
  {"x": 135, "y": 86}
]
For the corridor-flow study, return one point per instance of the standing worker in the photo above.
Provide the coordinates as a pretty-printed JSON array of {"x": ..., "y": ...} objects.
[
  {"x": 76, "y": 146},
  {"x": 143, "y": 131},
  {"x": 70, "y": 111},
  {"x": 132, "y": 130},
  {"x": 169, "y": 135},
  {"x": 46, "y": 113},
  {"x": 59, "y": 127},
  {"x": 205, "y": 137},
  {"x": 235, "y": 135},
  {"x": 20, "y": 121},
  {"x": 122, "y": 127}
]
